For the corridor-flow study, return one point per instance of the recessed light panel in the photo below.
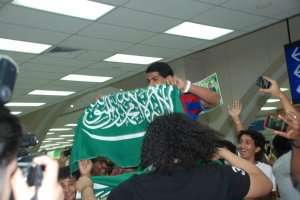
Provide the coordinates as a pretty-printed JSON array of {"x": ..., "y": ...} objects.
[
  {"x": 199, "y": 31},
  {"x": 71, "y": 125},
  {"x": 21, "y": 104},
  {"x": 272, "y": 100},
  {"x": 21, "y": 46},
  {"x": 284, "y": 89},
  {"x": 268, "y": 108},
  {"x": 60, "y": 129},
  {"x": 85, "y": 78},
  {"x": 15, "y": 112},
  {"x": 132, "y": 59},
  {"x": 51, "y": 92},
  {"x": 76, "y": 8}
]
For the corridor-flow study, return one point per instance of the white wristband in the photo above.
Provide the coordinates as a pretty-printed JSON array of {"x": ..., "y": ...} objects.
[{"x": 187, "y": 86}]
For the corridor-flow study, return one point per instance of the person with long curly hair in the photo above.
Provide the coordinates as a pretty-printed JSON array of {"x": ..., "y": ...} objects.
[{"x": 177, "y": 151}]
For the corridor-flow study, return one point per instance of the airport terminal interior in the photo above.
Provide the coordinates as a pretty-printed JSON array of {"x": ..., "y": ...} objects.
[{"x": 114, "y": 46}]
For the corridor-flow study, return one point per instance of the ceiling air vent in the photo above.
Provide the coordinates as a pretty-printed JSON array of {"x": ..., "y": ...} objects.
[{"x": 64, "y": 52}]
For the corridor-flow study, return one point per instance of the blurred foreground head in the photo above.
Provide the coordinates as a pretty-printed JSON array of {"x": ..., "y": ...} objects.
[{"x": 174, "y": 139}]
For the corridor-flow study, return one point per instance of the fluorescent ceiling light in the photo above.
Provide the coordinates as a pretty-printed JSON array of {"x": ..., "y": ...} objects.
[
  {"x": 21, "y": 46},
  {"x": 272, "y": 100},
  {"x": 132, "y": 59},
  {"x": 60, "y": 129},
  {"x": 199, "y": 31},
  {"x": 49, "y": 145},
  {"x": 268, "y": 108},
  {"x": 66, "y": 136},
  {"x": 284, "y": 89},
  {"x": 75, "y": 8},
  {"x": 50, "y": 133},
  {"x": 51, "y": 148},
  {"x": 45, "y": 141},
  {"x": 15, "y": 112},
  {"x": 49, "y": 139},
  {"x": 20, "y": 104},
  {"x": 72, "y": 125},
  {"x": 63, "y": 142},
  {"x": 85, "y": 78},
  {"x": 51, "y": 92},
  {"x": 70, "y": 140}
]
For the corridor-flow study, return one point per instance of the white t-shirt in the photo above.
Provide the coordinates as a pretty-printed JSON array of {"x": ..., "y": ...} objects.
[
  {"x": 282, "y": 169},
  {"x": 268, "y": 171}
]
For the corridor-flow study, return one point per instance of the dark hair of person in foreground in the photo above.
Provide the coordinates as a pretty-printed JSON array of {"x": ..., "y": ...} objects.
[
  {"x": 168, "y": 143},
  {"x": 11, "y": 132}
]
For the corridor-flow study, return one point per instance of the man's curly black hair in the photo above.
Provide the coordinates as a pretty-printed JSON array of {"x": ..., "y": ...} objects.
[
  {"x": 176, "y": 137},
  {"x": 162, "y": 68}
]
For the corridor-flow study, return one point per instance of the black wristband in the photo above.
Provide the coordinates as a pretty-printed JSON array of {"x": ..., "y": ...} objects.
[{"x": 296, "y": 145}]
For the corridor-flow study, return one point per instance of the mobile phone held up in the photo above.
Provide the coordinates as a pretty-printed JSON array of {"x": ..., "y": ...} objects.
[
  {"x": 263, "y": 83},
  {"x": 275, "y": 123},
  {"x": 67, "y": 152}
]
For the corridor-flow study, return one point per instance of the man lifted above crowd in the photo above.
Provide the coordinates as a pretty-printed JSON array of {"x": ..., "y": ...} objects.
[{"x": 194, "y": 98}]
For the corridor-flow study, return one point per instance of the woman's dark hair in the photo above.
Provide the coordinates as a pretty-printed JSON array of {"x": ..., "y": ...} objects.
[
  {"x": 259, "y": 141},
  {"x": 11, "y": 132},
  {"x": 176, "y": 137},
  {"x": 162, "y": 68},
  {"x": 65, "y": 172},
  {"x": 281, "y": 145},
  {"x": 226, "y": 144}
]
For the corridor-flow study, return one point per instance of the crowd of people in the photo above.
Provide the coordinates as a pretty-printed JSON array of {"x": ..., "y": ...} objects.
[{"x": 184, "y": 158}]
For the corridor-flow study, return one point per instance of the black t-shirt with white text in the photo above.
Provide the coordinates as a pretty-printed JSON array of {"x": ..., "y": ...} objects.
[{"x": 207, "y": 182}]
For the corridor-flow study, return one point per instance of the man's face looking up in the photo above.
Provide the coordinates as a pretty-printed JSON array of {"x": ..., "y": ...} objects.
[{"x": 153, "y": 78}]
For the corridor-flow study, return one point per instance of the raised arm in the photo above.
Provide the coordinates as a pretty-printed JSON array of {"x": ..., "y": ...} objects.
[
  {"x": 260, "y": 184},
  {"x": 234, "y": 110},
  {"x": 292, "y": 118},
  {"x": 85, "y": 186},
  {"x": 208, "y": 96},
  {"x": 275, "y": 91},
  {"x": 84, "y": 183},
  {"x": 293, "y": 133}
]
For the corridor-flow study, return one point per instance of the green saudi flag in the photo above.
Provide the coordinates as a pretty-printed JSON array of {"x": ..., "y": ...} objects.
[{"x": 114, "y": 125}]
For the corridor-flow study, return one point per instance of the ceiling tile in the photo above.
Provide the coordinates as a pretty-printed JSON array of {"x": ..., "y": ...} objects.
[
  {"x": 259, "y": 25},
  {"x": 143, "y": 50},
  {"x": 78, "y": 84},
  {"x": 94, "y": 72},
  {"x": 18, "y": 57},
  {"x": 276, "y": 7},
  {"x": 41, "y": 75},
  {"x": 226, "y": 18},
  {"x": 23, "y": 33},
  {"x": 116, "y": 33},
  {"x": 112, "y": 2},
  {"x": 205, "y": 45},
  {"x": 215, "y": 2},
  {"x": 51, "y": 60},
  {"x": 115, "y": 66},
  {"x": 46, "y": 68},
  {"x": 41, "y": 19},
  {"x": 172, "y": 58},
  {"x": 94, "y": 55},
  {"x": 292, "y": 12},
  {"x": 139, "y": 20},
  {"x": 229, "y": 36},
  {"x": 172, "y": 41},
  {"x": 175, "y": 8},
  {"x": 95, "y": 44}
]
